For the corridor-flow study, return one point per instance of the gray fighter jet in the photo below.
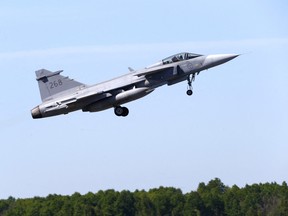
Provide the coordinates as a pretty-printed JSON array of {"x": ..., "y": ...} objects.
[{"x": 61, "y": 95}]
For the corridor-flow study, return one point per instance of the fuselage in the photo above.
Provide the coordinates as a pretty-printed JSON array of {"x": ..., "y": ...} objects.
[{"x": 128, "y": 87}]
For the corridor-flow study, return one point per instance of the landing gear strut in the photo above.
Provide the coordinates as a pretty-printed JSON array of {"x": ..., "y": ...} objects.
[
  {"x": 121, "y": 111},
  {"x": 190, "y": 79}
]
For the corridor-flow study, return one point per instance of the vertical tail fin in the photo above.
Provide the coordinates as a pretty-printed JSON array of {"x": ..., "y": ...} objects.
[{"x": 51, "y": 83}]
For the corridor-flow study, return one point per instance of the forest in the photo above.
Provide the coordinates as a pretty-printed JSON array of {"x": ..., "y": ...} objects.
[{"x": 213, "y": 198}]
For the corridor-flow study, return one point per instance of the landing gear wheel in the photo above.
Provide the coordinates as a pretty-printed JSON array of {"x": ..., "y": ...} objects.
[
  {"x": 189, "y": 92},
  {"x": 118, "y": 111},
  {"x": 125, "y": 111},
  {"x": 121, "y": 111}
]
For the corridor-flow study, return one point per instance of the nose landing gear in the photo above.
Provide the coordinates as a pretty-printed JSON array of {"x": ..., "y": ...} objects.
[{"x": 190, "y": 79}]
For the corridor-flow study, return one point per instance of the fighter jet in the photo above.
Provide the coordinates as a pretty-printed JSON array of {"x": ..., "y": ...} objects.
[{"x": 62, "y": 95}]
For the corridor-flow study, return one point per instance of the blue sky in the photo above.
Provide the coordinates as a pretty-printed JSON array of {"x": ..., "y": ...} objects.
[{"x": 234, "y": 127}]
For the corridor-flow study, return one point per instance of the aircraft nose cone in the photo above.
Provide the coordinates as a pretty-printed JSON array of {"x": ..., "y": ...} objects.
[
  {"x": 36, "y": 113},
  {"x": 224, "y": 57},
  {"x": 214, "y": 60}
]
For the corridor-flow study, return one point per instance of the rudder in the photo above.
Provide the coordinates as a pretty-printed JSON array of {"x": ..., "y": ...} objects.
[{"x": 51, "y": 83}]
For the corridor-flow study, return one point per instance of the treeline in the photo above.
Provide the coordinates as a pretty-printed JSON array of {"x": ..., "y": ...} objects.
[{"x": 213, "y": 198}]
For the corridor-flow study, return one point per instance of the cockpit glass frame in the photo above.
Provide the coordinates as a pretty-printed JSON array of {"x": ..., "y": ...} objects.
[{"x": 180, "y": 57}]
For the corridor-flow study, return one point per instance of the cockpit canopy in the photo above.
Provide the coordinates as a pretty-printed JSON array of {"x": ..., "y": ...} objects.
[
  {"x": 180, "y": 57},
  {"x": 175, "y": 58}
]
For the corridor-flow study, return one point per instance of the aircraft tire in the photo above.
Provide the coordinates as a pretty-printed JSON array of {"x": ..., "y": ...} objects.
[
  {"x": 189, "y": 92},
  {"x": 118, "y": 111},
  {"x": 125, "y": 111}
]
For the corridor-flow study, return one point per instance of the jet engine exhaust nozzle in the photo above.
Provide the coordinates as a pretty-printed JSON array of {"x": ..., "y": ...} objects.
[{"x": 35, "y": 112}]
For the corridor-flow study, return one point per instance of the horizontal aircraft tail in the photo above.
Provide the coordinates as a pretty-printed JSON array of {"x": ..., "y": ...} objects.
[{"x": 51, "y": 83}]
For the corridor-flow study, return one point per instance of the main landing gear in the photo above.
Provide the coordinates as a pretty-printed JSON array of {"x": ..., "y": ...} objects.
[
  {"x": 190, "y": 79},
  {"x": 121, "y": 111}
]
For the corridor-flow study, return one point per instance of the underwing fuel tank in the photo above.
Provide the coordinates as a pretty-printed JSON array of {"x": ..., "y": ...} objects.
[{"x": 117, "y": 100}]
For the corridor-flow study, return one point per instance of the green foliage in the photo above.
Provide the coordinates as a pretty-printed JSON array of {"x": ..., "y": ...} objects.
[
  {"x": 167, "y": 201},
  {"x": 213, "y": 198}
]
